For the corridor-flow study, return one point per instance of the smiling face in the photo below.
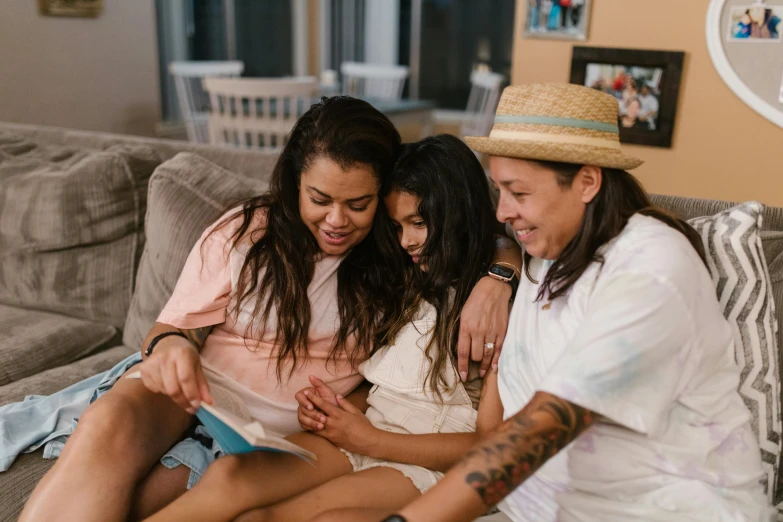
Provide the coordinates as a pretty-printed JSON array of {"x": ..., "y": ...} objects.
[
  {"x": 338, "y": 206},
  {"x": 411, "y": 229},
  {"x": 544, "y": 215}
]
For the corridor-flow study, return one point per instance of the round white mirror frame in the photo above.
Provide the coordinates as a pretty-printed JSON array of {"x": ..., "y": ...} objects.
[{"x": 715, "y": 34}]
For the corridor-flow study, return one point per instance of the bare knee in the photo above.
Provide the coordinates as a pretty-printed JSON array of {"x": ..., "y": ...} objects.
[
  {"x": 224, "y": 472},
  {"x": 105, "y": 430},
  {"x": 333, "y": 515},
  {"x": 256, "y": 515},
  {"x": 158, "y": 489},
  {"x": 231, "y": 474}
]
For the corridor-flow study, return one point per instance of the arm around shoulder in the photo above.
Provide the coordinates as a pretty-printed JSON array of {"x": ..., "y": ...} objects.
[{"x": 490, "y": 412}]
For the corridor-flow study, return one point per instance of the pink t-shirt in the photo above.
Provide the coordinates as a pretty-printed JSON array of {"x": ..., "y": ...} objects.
[{"x": 205, "y": 295}]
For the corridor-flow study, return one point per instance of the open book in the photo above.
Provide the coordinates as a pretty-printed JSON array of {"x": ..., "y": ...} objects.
[{"x": 230, "y": 423}]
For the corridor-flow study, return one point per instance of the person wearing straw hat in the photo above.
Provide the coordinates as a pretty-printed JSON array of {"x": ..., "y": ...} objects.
[{"x": 617, "y": 378}]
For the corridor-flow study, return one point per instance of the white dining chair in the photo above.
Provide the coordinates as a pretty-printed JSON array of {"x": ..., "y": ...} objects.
[
  {"x": 257, "y": 112},
  {"x": 193, "y": 101},
  {"x": 366, "y": 80},
  {"x": 482, "y": 102}
]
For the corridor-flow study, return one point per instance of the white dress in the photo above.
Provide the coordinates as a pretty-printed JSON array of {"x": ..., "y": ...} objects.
[{"x": 642, "y": 342}]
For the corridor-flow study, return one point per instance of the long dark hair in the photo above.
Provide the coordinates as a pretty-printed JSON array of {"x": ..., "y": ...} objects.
[
  {"x": 620, "y": 197},
  {"x": 349, "y": 132},
  {"x": 455, "y": 205}
]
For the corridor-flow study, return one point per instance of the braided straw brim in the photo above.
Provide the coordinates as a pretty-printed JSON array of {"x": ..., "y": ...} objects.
[
  {"x": 566, "y": 153},
  {"x": 556, "y": 122}
]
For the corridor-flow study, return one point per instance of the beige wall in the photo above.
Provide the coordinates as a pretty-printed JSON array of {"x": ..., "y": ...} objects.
[
  {"x": 95, "y": 74},
  {"x": 722, "y": 149}
]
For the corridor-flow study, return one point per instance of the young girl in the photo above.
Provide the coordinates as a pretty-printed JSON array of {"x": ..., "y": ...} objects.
[
  {"x": 421, "y": 418},
  {"x": 299, "y": 281}
]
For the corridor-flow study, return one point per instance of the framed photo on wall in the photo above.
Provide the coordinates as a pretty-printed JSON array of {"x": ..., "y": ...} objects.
[
  {"x": 76, "y": 8},
  {"x": 645, "y": 83},
  {"x": 557, "y": 19},
  {"x": 756, "y": 23}
]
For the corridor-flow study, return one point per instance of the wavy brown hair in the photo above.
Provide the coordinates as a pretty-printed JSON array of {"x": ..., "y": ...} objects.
[
  {"x": 349, "y": 132},
  {"x": 620, "y": 197},
  {"x": 456, "y": 207}
]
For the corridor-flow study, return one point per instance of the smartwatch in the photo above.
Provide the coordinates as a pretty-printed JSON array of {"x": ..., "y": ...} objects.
[{"x": 505, "y": 274}]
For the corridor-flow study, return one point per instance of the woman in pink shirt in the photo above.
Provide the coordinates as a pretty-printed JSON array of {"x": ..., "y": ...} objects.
[
  {"x": 296, "y": 282},
  {"x": 420, "y": 418}
]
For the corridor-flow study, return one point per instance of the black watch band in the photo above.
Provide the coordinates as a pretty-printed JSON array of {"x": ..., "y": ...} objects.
[
  {"x": 395, "y": 518},
  {"x": 514, "y": 286},
  {"x": 157, "y": 338},
  {"x": 507, "y": 275}
]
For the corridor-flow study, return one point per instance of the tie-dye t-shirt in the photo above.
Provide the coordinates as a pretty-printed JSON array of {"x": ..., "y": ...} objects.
[
  {"x": 244, "y": 361},
  {"x": 641, "y": 341}
]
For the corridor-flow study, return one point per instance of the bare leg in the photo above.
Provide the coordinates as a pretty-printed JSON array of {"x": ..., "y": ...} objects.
[
  {"x": 158, "y": 489},
  {"x": 236, "y": 483},
  {"x": 381, "y": 489},
  {"x": 118, "y": 440},
  {"x": 353, "y": 515}
]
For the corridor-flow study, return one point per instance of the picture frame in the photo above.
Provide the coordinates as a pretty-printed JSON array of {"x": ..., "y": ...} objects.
[
  {"x": 557, "y": 19},
  {"x": 645, "y": 82},
  {"x": 71, "y": 8},
  {"x": 755, "y": 23}
]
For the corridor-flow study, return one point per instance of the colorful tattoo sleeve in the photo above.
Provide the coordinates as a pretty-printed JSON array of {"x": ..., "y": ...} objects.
[{"x": 522, "y": 444}]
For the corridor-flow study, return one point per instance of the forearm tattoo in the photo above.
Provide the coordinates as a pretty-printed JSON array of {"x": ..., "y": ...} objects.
[
  {"x": 522, "y": 444},
  {"x": 197, "y": 335}
]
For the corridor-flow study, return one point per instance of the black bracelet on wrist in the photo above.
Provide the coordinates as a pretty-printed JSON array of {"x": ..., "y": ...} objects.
[
  {"x": 157, "y": 338},
  {"x": 395, "y": 518}
]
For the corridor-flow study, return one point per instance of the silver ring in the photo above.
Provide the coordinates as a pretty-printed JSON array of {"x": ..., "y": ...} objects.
[{"x": 489, "y": 347}]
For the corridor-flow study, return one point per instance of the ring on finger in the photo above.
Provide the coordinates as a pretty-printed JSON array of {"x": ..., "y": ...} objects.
[{"x": 488, "y": 347}]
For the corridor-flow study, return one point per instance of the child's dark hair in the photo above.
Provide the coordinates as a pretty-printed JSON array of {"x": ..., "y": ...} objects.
[{"x": 455, "y": 205}]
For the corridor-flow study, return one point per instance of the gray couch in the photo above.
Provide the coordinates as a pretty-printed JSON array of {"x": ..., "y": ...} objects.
[{"x": 94, "y": 229}]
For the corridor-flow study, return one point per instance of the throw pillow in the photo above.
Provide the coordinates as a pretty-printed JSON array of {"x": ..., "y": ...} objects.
[
  {"x": 187, "y": 194},
  {"x": 736, "y": 261},
  {"x": 71, "y": 230}
]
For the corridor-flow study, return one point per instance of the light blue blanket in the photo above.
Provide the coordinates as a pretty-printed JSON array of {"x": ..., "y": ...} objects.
[{"x": 49, "y": 420}]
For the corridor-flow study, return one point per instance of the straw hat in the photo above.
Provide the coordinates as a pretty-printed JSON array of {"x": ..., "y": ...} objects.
[{"x": 556, "y": 122}]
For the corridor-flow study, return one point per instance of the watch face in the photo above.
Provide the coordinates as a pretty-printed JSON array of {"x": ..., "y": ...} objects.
[{"x": 502, "y": 271}]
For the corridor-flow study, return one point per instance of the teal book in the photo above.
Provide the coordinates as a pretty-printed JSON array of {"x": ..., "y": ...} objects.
[
  {"x": 229, "y": 421},
  {"x": 243, "y": 435}
]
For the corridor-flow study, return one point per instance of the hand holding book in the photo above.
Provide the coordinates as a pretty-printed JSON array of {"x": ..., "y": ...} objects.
[
  {"x": 175, "y": 370},
  {"x": 229, "y": 422}
]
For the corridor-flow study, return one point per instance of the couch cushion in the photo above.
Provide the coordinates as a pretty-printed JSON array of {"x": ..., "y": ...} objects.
[
  {"x": 251, "y": 163},
  {"x": 732, "y": 240},
  {"x": 18, "y": 482},
  {"x": 33, "y": 341},
  {"x": 28, "y": 154},
  {"x": 56, "y": 379},
  {"x": 186, "y": 195},
  {"x": 71, "y": 229}
]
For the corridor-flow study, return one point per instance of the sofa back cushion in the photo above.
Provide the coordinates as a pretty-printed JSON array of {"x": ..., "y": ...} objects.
[
  {"x": 186, "y": 194},
  {"x": 71, "y": 227},
  {"x": 735, "y": 257},
  {"x": 771, "y": 239}
]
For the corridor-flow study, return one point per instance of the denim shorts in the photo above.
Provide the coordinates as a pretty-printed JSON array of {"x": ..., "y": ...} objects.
[{"x": 196, "y": 450}]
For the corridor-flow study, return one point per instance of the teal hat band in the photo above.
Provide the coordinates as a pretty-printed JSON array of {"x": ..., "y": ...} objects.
[{"x": 560, "y": 122}]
